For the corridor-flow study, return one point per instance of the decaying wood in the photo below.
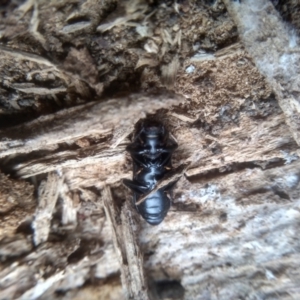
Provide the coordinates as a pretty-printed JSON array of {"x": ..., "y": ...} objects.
[
  {"x": 98, "y": 154},
  {"x": 275, "y": 51},
  {"x": 259, "y": 143},
  {"x": 138, "y": 280},
  {"x": 48, "y": 194},
  {"x": 238, "y": 224},
  {"x": 68, "y": 231},
  {"x": 93, "y": 118},
  {"x": 71, "y": 256},
  {"x": 127, "y": 248},
  {"x": 17, "y": 204}
]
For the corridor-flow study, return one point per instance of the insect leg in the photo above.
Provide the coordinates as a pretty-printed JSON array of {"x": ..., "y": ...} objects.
[
  {"x": 135, "y": 186},
  {"x": 169, "y": 150},
  {"x": 136, "y": 154}
]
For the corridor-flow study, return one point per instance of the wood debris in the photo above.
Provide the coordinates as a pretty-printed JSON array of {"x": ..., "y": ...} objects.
[{"x": 72, "y": 88}]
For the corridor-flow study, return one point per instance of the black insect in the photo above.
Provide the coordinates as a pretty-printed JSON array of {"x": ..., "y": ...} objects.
[{"x": 151, "y": 152}]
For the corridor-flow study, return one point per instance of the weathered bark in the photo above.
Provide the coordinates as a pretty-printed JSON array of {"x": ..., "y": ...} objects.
[{"x": 74, "y": 85}]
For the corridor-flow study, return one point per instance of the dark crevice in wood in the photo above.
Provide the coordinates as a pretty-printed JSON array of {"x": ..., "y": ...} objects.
[
  {"x": 169, "y": 289},
  {"x": 235, "y": 167},
  {"x": 25, "y": 228}
]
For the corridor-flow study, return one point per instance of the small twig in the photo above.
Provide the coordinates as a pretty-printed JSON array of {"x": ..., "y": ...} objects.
[{"x": 173, "y": 176}]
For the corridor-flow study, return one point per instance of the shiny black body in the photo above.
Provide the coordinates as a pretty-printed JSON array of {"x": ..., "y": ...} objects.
[{"x": 151, "y": 152}]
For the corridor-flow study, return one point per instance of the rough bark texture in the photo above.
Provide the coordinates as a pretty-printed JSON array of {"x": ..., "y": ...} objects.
[{"x": 224, "y": 78}]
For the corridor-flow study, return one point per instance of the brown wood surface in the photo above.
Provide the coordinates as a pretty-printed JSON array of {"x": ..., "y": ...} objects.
[{"x": 76, "y": 76}]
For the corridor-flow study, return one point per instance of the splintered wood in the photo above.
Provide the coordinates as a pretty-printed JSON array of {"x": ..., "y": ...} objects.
[
  {"x": 262, "y": 143},
  {"x": 47, "y": 197},
  {"x": 223, "y": 77},
  {"x": 72, "y": 124},
  {"x": 125, "y": 242},
  {"x": 99, "y": 154}
]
